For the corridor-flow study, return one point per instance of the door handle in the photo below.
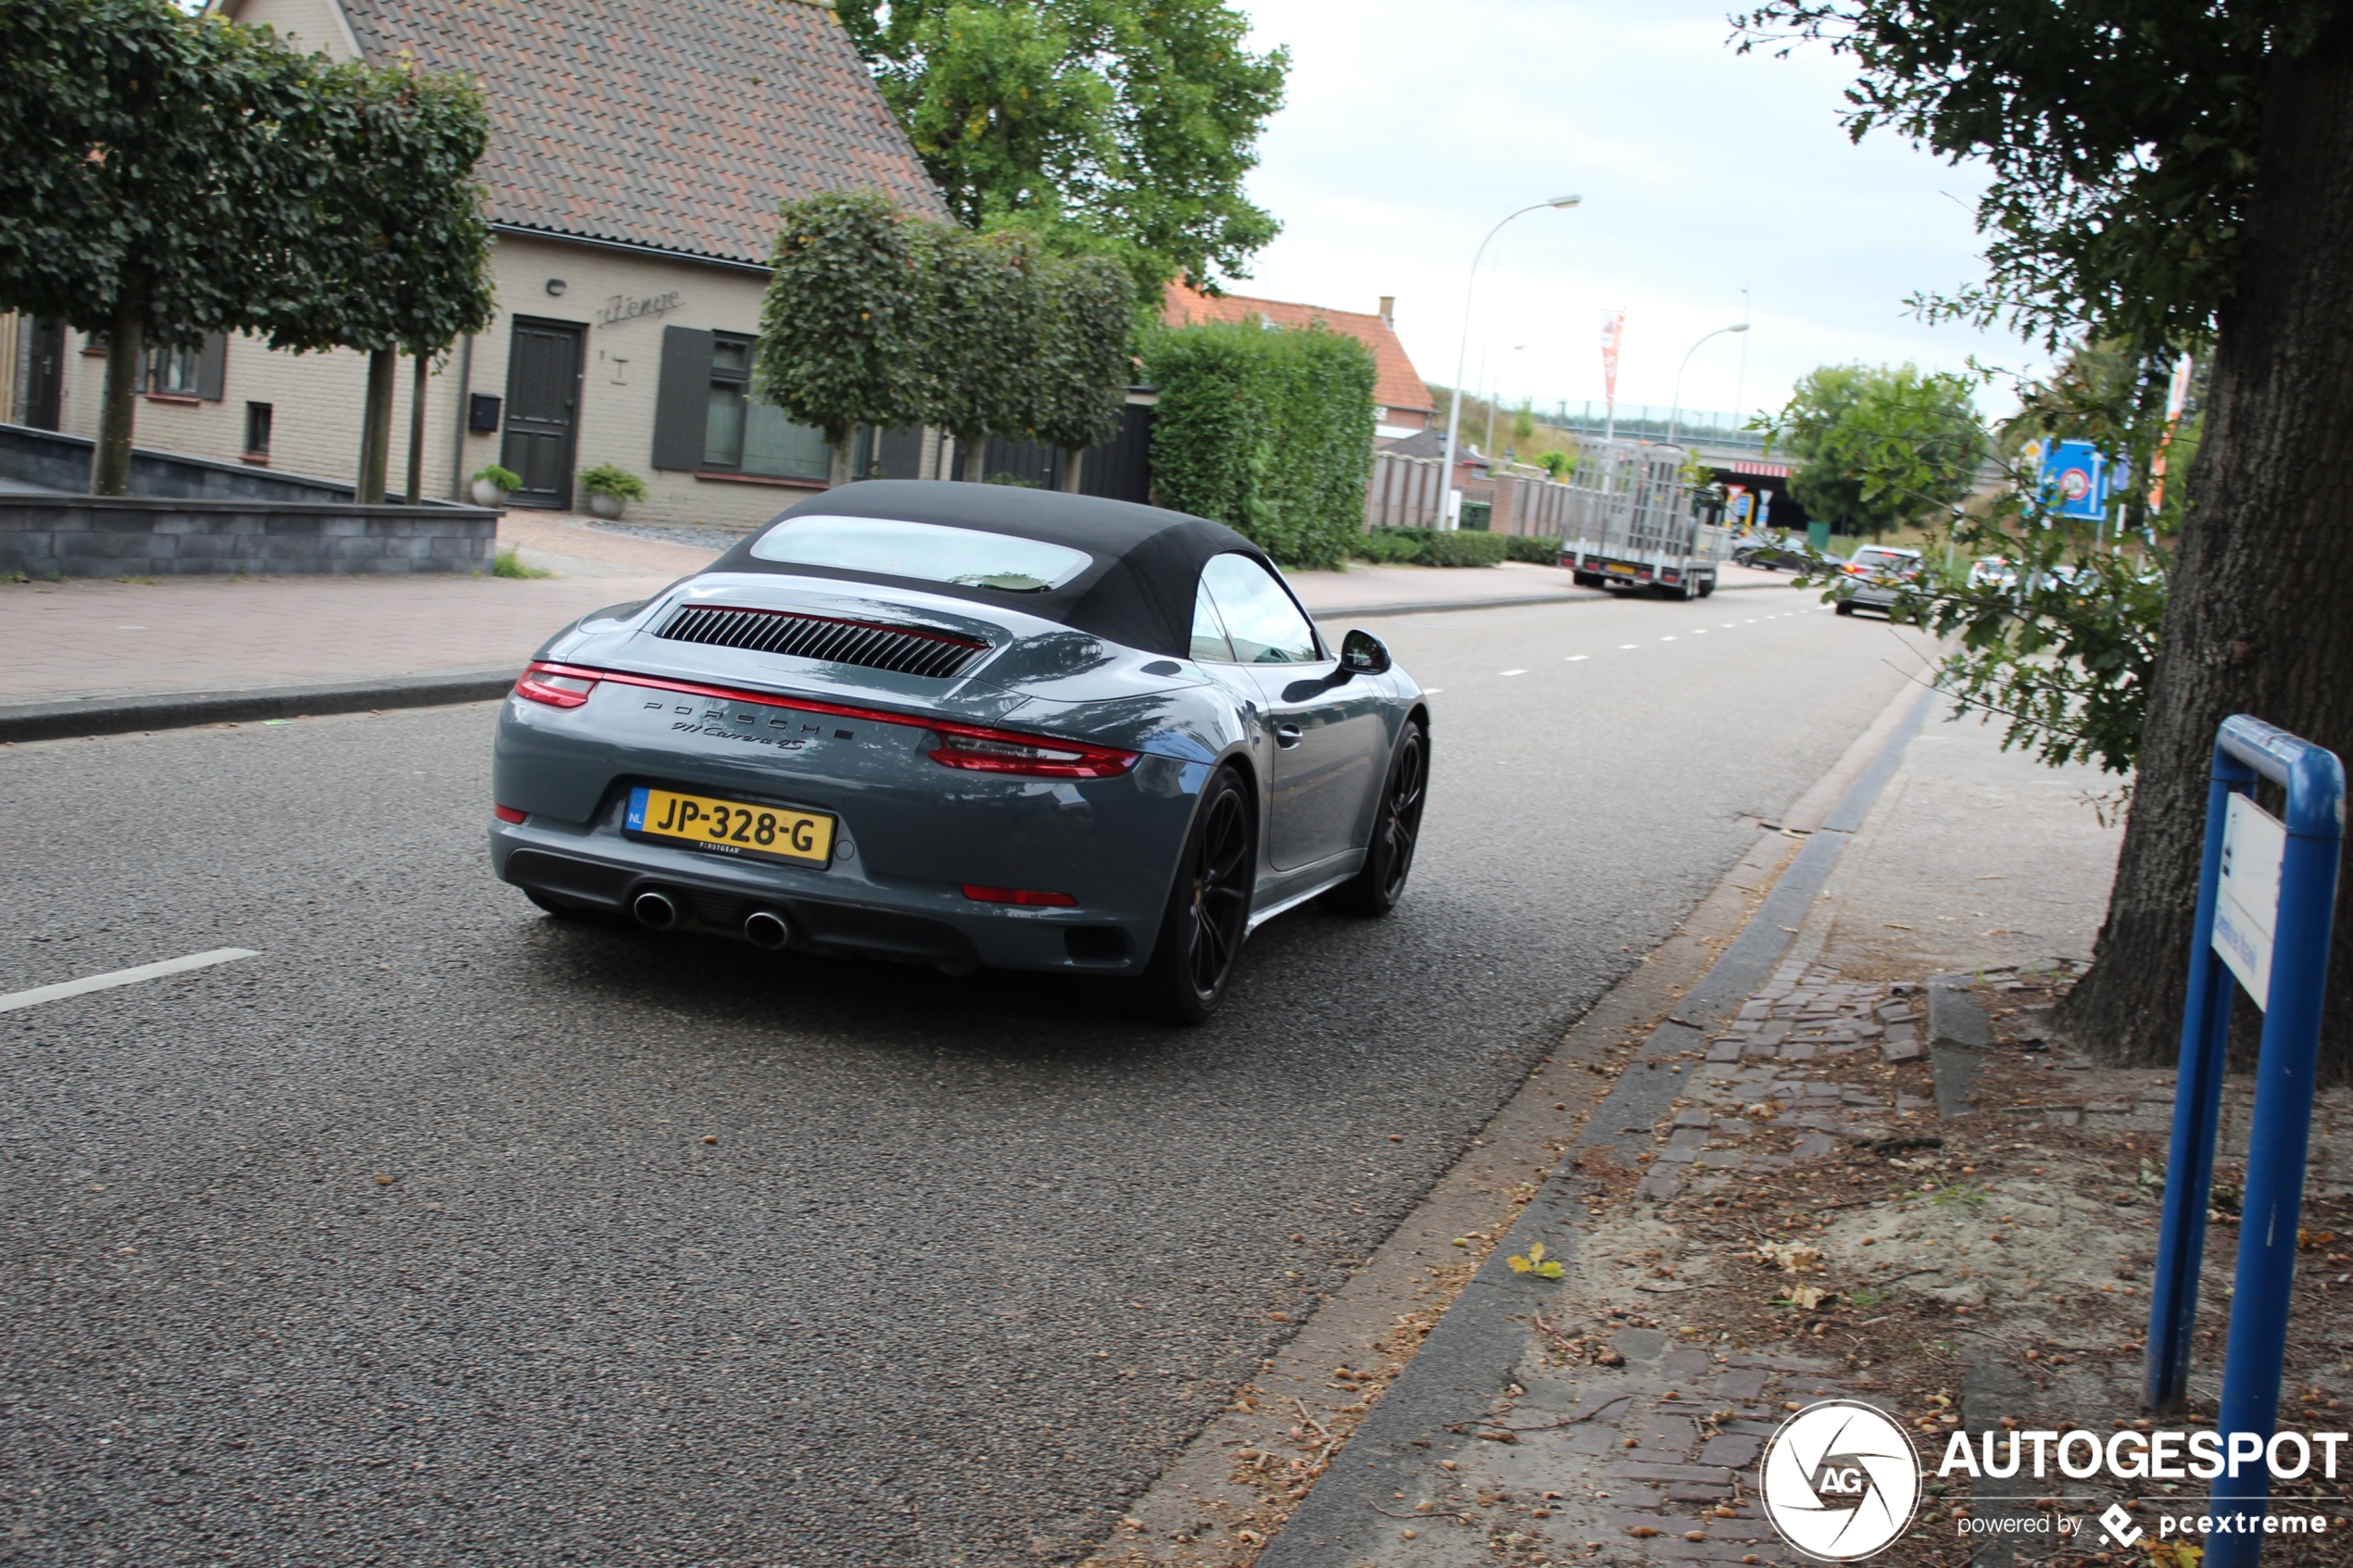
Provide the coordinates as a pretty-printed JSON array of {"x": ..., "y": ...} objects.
[{"x": 1287, "y": 735}]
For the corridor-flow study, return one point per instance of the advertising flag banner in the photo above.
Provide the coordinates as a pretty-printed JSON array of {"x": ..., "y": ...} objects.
[{"x": 1613, "y": 329}]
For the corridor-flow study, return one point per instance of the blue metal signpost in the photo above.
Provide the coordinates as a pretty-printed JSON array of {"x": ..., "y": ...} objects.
[{"x": 2266, "y": 899}]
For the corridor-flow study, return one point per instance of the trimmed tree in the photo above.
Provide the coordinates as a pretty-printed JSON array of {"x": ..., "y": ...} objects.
[
  {"x": 158, "y": 170},
  {"x": 1081, "y": 373},
  {"x": 2164, "y": 168},
  {"x": 399, "y": 260},
  {"x": 844, "y": 326},
  {"x": 986, "y": 307}
]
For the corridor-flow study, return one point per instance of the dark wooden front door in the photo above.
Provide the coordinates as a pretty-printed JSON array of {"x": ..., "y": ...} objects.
[
  {"x": 543, "y": 411},
  {"x": 45, "y": 388}
]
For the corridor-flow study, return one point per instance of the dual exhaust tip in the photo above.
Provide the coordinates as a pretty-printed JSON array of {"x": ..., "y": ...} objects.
[{"x": 762, "y": 928}]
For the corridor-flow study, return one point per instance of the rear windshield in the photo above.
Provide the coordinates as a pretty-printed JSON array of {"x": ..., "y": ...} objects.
[{"x": 925, "y": 551}]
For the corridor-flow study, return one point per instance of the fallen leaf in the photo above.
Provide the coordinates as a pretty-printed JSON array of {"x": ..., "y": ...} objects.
[{"x": 1791, "y": 1257}]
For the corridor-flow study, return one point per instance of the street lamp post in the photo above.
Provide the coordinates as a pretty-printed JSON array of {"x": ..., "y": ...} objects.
[
  {"x": 1462, "y": 352},
  {"x": 1675, "y": 413}
]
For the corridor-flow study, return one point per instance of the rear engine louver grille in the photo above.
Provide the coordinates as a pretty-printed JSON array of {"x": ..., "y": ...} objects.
[{"x": 901, "y": 648}]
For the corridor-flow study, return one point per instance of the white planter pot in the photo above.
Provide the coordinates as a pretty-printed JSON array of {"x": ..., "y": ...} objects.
[
  {"x": 604, "y": 505},
  {"x": 488, "y": 494}
]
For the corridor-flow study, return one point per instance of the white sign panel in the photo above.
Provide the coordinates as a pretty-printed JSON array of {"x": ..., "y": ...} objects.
[{"x": 2247, "y": 903}]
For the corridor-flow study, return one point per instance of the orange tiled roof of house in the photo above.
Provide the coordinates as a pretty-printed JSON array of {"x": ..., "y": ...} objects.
[
  {"x": 1397, "y": 386},
  {"x": 677, "y": 124}
]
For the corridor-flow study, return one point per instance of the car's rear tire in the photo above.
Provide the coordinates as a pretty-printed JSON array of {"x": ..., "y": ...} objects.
[
  {"x": 1208, "y": 913},
  {"x": 1397, "y": 829}
]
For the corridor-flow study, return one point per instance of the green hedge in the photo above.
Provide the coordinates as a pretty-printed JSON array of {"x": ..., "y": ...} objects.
[
  {"x": 1431, "y": 546},
  {"x": 1269, "y": 433},
  {"x": 1537, "y": 549}
]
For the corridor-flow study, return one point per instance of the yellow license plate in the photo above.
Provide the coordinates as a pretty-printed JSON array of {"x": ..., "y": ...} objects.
[
  {"x": 1619, "y": 568},
  {"x": 731, "y": 827}
]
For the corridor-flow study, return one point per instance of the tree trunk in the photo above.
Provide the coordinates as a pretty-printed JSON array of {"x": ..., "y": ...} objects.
[
  {"x": 972, "y": 453},
  {"x": 423, "y": 369},
  {"x": 838, "y": 457},
  {"x": 1073, "y": 465},
  {"x": 118, "y": 406},
  {"x": 2261, "y": 615},
  {"x": 375, "y": 434}
]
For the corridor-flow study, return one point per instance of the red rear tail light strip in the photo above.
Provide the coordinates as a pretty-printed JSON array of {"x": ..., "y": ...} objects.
[{"x": 971, "y": 746}]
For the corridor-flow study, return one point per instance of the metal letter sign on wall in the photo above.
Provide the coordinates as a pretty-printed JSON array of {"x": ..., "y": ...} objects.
[{"x": 2266, "y": 899}]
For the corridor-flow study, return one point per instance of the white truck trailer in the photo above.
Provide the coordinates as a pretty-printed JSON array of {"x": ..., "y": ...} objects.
[{"x": 1633, "y": 522}]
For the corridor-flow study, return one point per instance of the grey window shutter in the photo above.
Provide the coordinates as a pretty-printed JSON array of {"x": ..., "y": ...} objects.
[
  {"x": 682, "y": 403},
  {"x": 212, "y": 366}
]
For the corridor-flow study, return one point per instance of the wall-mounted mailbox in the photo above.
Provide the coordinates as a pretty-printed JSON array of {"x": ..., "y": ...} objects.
[{"x": 482, "y": 414}]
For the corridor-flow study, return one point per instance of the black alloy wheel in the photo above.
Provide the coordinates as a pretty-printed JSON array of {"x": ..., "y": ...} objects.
[
  {"x": 1208, "y": 914},
  {"x": 1389, "y": 859}
]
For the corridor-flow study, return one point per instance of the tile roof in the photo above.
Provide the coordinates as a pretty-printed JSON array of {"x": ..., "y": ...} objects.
[
  {"x": 1398, "y": 385},
  {"x": 678, "y": 124}
]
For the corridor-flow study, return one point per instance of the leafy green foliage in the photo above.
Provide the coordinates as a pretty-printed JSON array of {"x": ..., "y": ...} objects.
[
  {"x": 1877, "y": 447},
  {"x": 2121, "y": 136},
  {"x": 612, "y": 479},
  {"x": 1130, "y": 122},
  {"x": 1556, "y": 463},
  {"x": 507, "y": 563},
  {"x": 1536, "y": 549},
  {"x": 505, "y": 478},
  {"x": 1081, "y": 366},
  {"x": 844, "y": 324},
  {"x": 1270, "y": 433},
  {"x": 984, "y": 305},
  {"x": 2056, "y": 635},
  {"x": 1436, "y": 547},
  {"x": 398, "y": 257}
]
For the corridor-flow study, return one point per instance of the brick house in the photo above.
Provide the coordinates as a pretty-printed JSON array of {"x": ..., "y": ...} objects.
[
  {"x": 1401, "y": 401},
  {"x": 637, "y": 154}
]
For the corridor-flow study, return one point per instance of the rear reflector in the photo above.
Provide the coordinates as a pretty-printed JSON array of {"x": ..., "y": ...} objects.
[
  {"x": 506, "y": 813},
  {"x": 1018, "y": 895},
  {"x": 548, "y": 683}
]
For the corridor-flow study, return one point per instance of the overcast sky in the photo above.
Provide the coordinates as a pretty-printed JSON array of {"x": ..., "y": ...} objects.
[{"x": 1411, "y": 127}]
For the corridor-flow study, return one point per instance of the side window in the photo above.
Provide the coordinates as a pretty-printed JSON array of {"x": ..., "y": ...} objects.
[
  {"x": 1209, "y": 633},
  {"x": 1262, "y": 622}
]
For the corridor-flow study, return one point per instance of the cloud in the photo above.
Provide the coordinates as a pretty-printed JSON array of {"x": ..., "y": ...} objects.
[{"x": 1410, "y": 128}]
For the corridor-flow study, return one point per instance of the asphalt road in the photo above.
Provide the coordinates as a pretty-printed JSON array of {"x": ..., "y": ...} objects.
[{"x": 406, "y": 1241}]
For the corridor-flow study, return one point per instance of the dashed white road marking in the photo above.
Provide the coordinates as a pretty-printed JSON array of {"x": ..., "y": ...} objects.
[
  {"x": 64, "y": 988},
  {"x": 1514, "y": 671},
  {"x": 1668, "y": 639},
  {"x": 1623, "y": 646},
  {"x": 1575, "y": 656}
]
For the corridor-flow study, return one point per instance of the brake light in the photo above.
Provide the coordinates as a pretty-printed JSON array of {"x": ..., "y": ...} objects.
[
  {"x": 547, "y": 684},
  {"x": 995, "y": 751},
  {"x": 506, "y": 813},
  {"x": 980, "y": 895},
  {"x": 962, "y": 745}
]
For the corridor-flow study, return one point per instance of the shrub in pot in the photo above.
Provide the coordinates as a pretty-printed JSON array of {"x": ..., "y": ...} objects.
[
  {"x": 610, "y": 488},
  {"x": 493, "y": 484}
]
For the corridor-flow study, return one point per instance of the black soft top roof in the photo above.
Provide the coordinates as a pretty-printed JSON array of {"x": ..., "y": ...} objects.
[{"x": 1139, "y": 592}]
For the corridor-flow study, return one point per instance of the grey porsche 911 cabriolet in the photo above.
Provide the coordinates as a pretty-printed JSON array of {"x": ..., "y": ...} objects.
[{"x": 967, "y": 725}]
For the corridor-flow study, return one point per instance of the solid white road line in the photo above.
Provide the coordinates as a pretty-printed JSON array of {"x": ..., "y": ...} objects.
[{"x": 65, "y": 988}]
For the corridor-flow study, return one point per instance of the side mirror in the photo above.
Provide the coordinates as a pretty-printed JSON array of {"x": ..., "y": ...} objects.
[{"x": 1361, "y": 653}]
